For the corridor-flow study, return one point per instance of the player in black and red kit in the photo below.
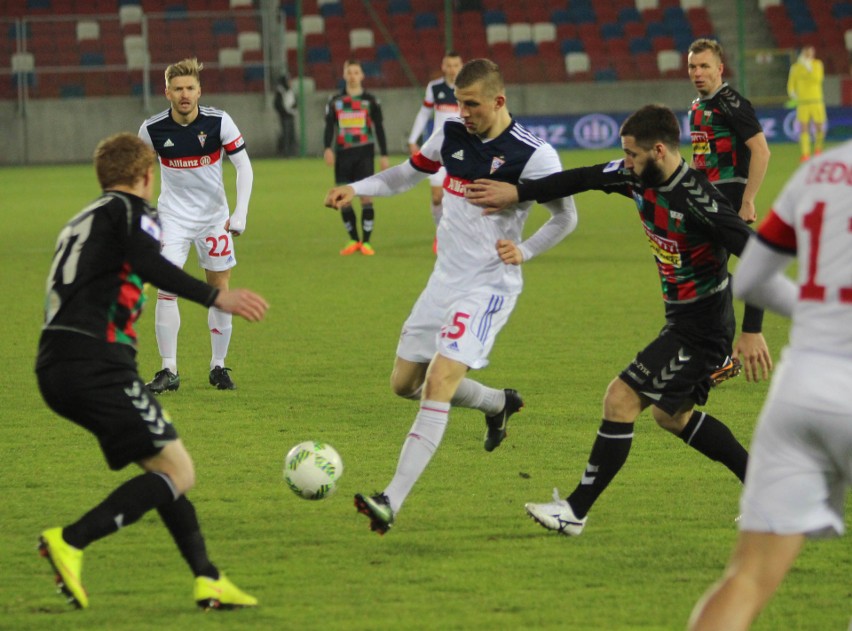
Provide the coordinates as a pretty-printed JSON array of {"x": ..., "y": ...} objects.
[
  {"x": 86, "y": 367},
  {"x": 728, "y": 143},
  {"x": 353, "y": 119},
  {"x": 691, "y": 228}
]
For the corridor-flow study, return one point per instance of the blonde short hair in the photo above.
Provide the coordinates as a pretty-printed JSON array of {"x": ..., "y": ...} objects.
[{"x": 185, "y": 68}]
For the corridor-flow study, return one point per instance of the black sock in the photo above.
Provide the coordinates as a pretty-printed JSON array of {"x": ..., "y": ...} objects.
[
  {"x": 608, "y": 455},
  {"x": 180, "y": 518},
  {"x": 124, "y": 506},
  {"x": 711, "y": 437},
  {"x": 367, "y": 216},
  {"x": 350, "y": 222}
]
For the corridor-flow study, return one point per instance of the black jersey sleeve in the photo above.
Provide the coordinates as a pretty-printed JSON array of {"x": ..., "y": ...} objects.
[
  {"x": 379, "y": 126},
  {"x": 740, "y": 114},
  {"x": 330, "y": 124},
  {"x": 611, "y": 177},
  {"x": 719, "y": 219},
  {"x": 143, "y": 256}
]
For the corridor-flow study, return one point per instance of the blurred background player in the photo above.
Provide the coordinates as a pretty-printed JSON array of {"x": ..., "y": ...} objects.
[
  {"x": 284, "y": 103},
  {"x": 353, "y": 119},
  {"x": 804, "y": 87},
  {"x": 191, "y": 141},
  {"x": 86, "y": 368},
  {"x": 801, "y": 454},
  {"x": 440, "y": 99},
  {"x": 728, "y": 143}
]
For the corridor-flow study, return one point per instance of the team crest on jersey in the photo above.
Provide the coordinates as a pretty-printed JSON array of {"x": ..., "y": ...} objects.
[
  {"x": 202, "y": 138},
  {"x": 497, "y": 162}
]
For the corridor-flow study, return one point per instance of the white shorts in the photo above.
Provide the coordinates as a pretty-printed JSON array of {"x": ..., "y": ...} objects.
[
  {"x": 213, "y": 244},
  {"x": 437, "y": 179},
  {"x": 800, "y": 462},
  {"x": 458, "y": 325}
]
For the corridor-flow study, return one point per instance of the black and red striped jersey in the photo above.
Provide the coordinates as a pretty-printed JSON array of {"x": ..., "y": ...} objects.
[{"x": 94, "y": 289}]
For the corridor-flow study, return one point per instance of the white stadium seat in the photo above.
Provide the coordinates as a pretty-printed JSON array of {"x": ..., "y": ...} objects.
[
  {"x": 520, "y": 32},
  {"x": 577, "y": 62},
  {"x": 668, "y": 60},
  {"x": 361, "y": 38},
  {"x": 544, "y": 32},
  {"x": 496, "y": 33}
]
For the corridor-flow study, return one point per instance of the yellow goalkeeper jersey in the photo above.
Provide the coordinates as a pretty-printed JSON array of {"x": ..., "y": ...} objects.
[{"x": 805, "y": 85}]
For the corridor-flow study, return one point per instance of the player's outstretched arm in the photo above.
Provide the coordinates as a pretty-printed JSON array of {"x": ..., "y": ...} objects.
[
  {"x": 242, "y": 302},
  {"x": 491, "y": 195},
  {"x": 339, "y": 196}
]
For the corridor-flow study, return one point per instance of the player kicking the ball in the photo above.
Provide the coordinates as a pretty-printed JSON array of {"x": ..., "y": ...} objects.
[{"x": 477, "y": 276}]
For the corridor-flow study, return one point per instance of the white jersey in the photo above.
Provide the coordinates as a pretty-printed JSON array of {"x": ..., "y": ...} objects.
[
  {"x": 812, "y": 217},
  {"x": 192, "y": 191},
  {"x": 439, "y": 99}
]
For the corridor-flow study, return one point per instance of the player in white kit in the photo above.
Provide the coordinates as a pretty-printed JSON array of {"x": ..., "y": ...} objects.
[
  {"x": 801, "y": 456},
  {"x": 191, "y": 141},
  {"x": 477, "y": 275},
  {"x": 439, "y": 99}
]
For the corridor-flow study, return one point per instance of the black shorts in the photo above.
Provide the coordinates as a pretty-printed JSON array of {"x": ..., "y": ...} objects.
[
  {"x": 111, "y": 402},
  {"x": 351, "y": 165},
  {"x": 674, "y": 370}
]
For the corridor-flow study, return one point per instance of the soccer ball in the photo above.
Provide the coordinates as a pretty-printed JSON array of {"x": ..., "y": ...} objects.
[{"x": 312, "y": 469}]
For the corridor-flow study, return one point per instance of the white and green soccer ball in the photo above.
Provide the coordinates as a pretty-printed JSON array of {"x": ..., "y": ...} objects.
[{"x": 312, "y": 469}]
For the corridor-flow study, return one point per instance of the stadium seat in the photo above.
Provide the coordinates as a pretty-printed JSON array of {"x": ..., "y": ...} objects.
[
  {"x": 520, "y": 32},
  {"x": 313, "y": 24},
  {"x": 496, "y": 33},
  {"x": 230, "y": 58},
  {"x": 426, "y": 21},
  {"x": 571, "y": 46},
  {"x": 643, "y": 5},
  {"x": 847, "y": 40},
  {"x": 494, "y": 16},
  {"x": 526, "y": 49},
  {"x": 250, "y": 40},
  {"x": 361, "y": 38},
  {"x": 543, "y": 32},
  {"x": 691, "y": 4},
  {"x": 613, "y": 30},
  {"x": 669, "y": 61},
  {"x": 577, "y": 62},
  {"x": 88, "y": 29}
]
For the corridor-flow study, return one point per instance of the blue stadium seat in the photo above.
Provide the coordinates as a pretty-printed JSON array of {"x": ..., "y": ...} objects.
[
  {"x": 612, "y": 30},
  {"x": 629, "y": 14},
  {"x": 582, "y": 15},
  {"x": 425, "y": 20},
  {"x": 657, "y": 29},
  {"x": 386, "y": 52},
  {"x": 561, "y": 16},
  {"x": 254, "y": 72},
  {"x": 92, "y": 59},
  {"x": 606, "y": 74},
  {"x": 396, "y": 7},
  {"x": 318, "y": 54},
  {"x": 526, "y": 49},
  {"x": 571, "y": 46},
  {"x": 640, "y": 45},
  {"x": 331, "y": 9},
  {"x": 494, "y": 16},
  {"x": 371, "y": 69},
  {"x": 224, "y": 27},
  {"x": 35, "y": 5}
]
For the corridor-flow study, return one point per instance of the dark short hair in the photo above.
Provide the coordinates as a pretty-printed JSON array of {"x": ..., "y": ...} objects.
[{"x": 651, "y": 124}]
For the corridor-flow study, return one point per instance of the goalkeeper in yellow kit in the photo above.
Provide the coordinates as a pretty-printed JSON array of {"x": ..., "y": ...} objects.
[{"x": 804, "y": 87}]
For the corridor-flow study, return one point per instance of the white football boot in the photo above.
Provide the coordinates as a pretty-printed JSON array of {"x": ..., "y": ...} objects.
[{"x": 556, "y": 515}]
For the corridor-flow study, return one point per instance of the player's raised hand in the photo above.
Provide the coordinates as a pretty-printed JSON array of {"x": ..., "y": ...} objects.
[
  {"x": 339, "y": 196},
  {"x": 509, "y": 252},
  {"x": 492, "y": 195},
  {"x": 242, "y": 302}
]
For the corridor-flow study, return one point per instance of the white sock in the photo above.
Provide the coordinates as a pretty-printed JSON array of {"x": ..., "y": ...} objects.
[
  {"x": 437, "y": 212},
  {"x": 220, "y": 324},
  {"x": 166, "y": 327},
  {"x": 472, "y": 394},
  {"x": 422, "y": 441}
]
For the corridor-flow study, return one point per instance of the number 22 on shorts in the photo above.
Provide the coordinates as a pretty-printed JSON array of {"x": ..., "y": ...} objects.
[{"x": 214, "y": 242}]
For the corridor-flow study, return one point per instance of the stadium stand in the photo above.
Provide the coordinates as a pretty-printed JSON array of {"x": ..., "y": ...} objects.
[{"x": 107, "y": 42}]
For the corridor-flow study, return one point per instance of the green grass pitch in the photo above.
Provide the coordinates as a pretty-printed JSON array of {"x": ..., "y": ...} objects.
[{"x": 462, "y": 555}]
